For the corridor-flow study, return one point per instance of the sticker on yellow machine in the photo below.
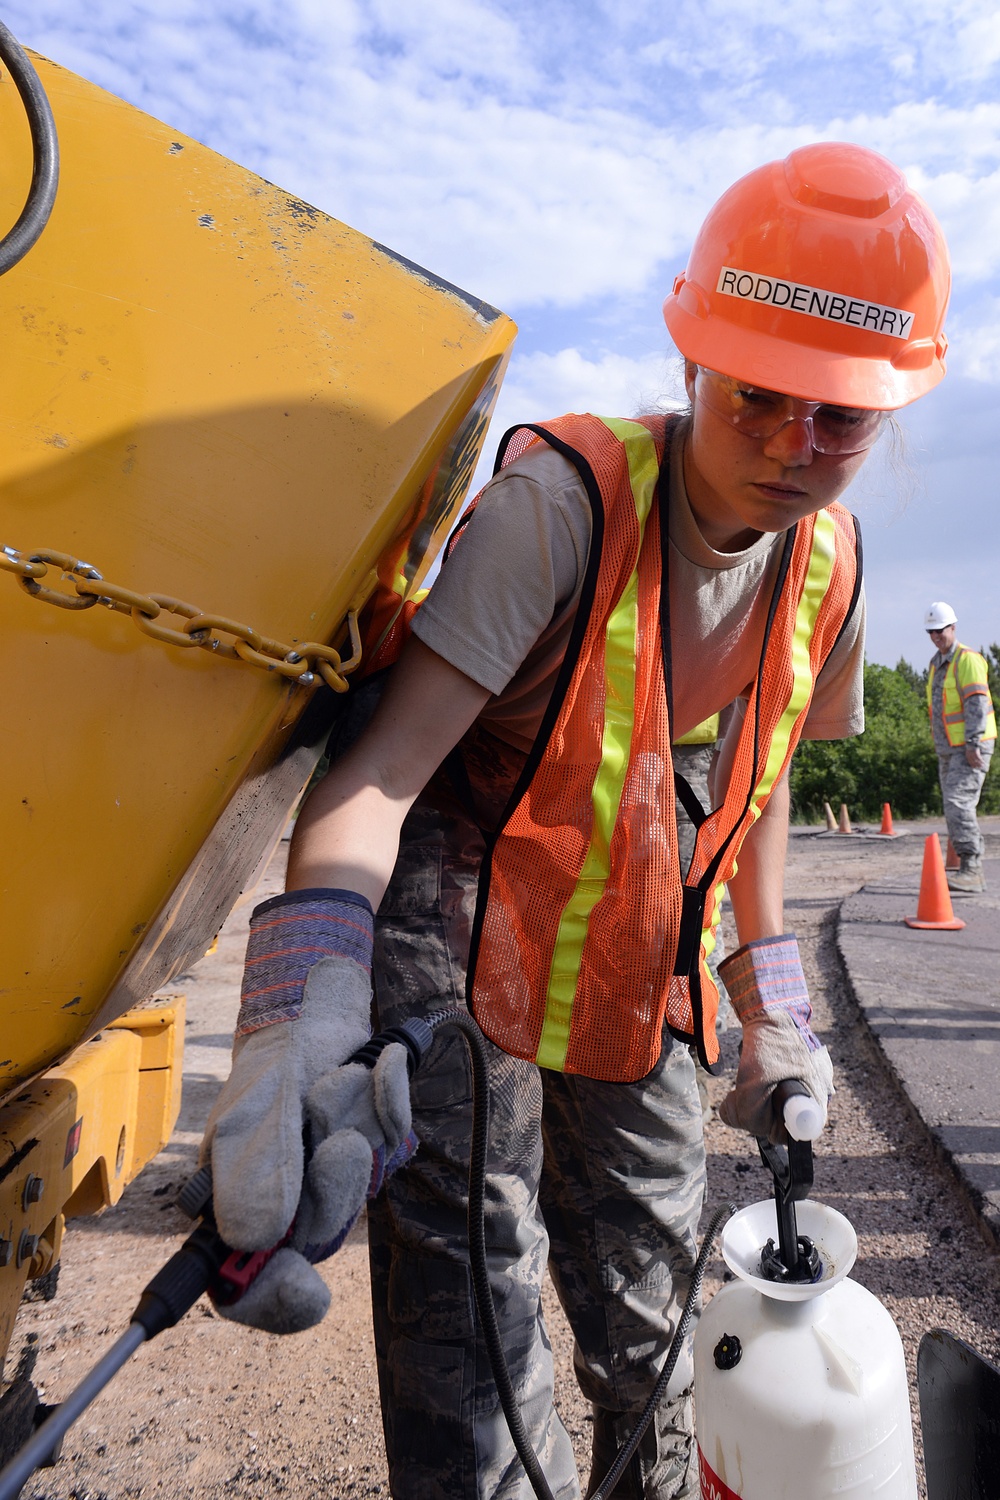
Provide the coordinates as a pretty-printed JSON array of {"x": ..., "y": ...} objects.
[{"x": 220, "y": 399}]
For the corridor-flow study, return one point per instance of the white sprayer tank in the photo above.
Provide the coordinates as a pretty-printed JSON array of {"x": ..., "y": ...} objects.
[{"x": 812, "y": 1401}]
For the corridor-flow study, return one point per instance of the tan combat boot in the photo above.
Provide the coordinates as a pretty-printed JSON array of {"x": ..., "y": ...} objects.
[{"x": 969, "y": 875}]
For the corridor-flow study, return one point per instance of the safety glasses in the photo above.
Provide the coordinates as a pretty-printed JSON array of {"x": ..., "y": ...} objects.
[{"x": 761, "y": 413}]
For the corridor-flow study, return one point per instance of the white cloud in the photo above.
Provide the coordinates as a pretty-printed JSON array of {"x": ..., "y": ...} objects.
[
  {"x": 956, "y": 42},
  {"x": 974, "y": 350},
  {"x": 558, "y": 159},
  {"x": 612, "y": 385},
  {"x": 457, "y": 133},
  {"x": 969, "y": 209},
  {"x": 540, "y": 386}
]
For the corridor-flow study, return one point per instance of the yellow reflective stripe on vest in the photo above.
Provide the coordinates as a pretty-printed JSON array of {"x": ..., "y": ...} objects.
[
  {"x": 705, "y": 733},
  {"x": 714, "y": 915},
  {"x": 822, "y": 557},
  {"x": 961, "y": 682},
  {"x": 399, "y": 587},
  {"x": 606, "y": 794},
  {"x": 821, "y": 560}
]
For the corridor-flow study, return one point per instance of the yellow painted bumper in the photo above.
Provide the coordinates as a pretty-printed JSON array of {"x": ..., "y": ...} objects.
[{"x": 71, "y": 1141}]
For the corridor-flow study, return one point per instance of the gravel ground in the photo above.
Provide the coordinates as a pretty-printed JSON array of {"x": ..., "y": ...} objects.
[
  {"x": 213, "y": 1410},
  {"x": 920, "y": 1249}
]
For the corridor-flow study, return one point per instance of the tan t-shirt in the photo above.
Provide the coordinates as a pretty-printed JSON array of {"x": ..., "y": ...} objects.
[{"x": 502, "y": 607}]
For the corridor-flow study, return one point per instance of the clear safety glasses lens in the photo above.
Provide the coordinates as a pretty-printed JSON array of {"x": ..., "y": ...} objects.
[{"x": 761, "y": 413}]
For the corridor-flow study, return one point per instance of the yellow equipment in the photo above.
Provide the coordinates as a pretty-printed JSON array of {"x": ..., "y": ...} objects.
[{"x": 222, "y": 414}]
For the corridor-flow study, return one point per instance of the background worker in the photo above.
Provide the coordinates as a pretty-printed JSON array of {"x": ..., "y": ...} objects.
[
  {"x": 965, "y": 730},
  {"x": 617, "y": 583}
]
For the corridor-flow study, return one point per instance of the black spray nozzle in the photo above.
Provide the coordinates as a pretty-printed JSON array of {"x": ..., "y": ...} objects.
[
  {"x": 205, "y": 1262},
  {"x": 176, "y": 1287},
  {"x": 795, "y": 1258},
  {"x": 414, "y": 1034}
]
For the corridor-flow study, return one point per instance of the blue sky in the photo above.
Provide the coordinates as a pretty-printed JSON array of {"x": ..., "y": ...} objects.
[{"x": 556, "y": 159}]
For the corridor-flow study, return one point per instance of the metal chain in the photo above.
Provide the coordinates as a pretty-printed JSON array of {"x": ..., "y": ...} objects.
[{"x": 215, "y": 633}]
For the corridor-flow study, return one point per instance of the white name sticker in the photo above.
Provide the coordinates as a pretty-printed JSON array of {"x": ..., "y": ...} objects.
[{"x": 814, "y": 302}]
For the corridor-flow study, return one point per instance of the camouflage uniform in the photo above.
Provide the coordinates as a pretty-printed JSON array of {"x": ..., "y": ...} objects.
[
  {"x": 694, "y": 762},
  {"x": 961, "y": 784},
  {"x": 603, "y": 1182}
]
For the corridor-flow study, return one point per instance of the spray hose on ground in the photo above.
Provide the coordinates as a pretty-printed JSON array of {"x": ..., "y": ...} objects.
[{"x": 206, "y": 1263}]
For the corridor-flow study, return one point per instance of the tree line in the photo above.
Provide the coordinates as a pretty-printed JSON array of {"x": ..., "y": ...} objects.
[{"x": 893, "y": 761}]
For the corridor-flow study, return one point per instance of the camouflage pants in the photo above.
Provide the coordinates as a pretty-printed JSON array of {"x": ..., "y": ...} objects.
[
  {"x": 694, "y": 762},
  {"x": 961, "y": 785},
  {"x": 601, "y": 1182}
]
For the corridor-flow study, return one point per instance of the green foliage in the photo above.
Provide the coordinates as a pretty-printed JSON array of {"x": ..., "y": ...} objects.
[
  {"x": 917, "y": 680},
  {"x": 893, "y": 761},
  {"x": 992, "y": 656},
  {"x": 989, "y": 801}
]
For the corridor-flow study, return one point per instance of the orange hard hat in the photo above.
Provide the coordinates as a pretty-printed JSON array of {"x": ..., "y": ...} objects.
[{"x": 823, "y": 276}]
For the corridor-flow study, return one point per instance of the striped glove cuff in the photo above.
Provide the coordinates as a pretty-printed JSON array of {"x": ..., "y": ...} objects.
[
  {"x": 290, "y": 933},
  {"x": 765, "y": 977}
]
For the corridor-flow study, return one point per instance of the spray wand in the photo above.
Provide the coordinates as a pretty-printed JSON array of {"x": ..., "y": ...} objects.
[
  {"x": 203, "y": 1263},
  {"x": 795, "y": 1257},
  {"x": 206, "y": 1263}
]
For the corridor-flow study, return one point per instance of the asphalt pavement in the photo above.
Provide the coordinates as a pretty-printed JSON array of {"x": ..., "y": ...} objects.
[{"x": 931, "y": 999}]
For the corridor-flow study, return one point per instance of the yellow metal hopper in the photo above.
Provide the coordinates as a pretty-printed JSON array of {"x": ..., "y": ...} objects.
[
  {"x": 215, "y": 393},
  {"x": 221, "y": 412}
]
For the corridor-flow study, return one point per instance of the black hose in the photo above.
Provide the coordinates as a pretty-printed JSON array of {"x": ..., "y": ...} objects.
[
  {"x": 484, "y": 1295},
  {"x": 477, "y": 1245},
  {"x": 45, "y": 153},
  {"x": 176, "y": 1287},
  {"x": 624, "y": 1457}
]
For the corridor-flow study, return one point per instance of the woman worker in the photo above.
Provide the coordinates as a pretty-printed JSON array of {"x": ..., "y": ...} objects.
[{"x": 618, "y": 582}]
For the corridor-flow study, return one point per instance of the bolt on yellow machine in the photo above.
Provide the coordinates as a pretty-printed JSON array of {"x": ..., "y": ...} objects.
[{"x": 226, "y": 419}]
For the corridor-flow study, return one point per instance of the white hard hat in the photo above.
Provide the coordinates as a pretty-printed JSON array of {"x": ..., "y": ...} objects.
[{"x": 939, "y": 615}]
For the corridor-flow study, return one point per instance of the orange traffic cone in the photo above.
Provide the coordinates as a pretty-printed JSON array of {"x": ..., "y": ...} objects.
[
  {"x": 831, "y": 822},
  {"x": 844, "y": 826},
  {"x": 886, "y": 828},
  {"x": 951, "y": 859},
  {"x": 934, "y": 903}
]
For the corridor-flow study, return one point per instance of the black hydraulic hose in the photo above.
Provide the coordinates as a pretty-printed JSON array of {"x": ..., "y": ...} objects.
[
  {"x": 484, "y": 1294},
  {"x": 204, "y": 1257},
  {"x": 624, "y": 1458},
  {"x": 477, "y": 1245},
  {"x": 45, "y": 149}
]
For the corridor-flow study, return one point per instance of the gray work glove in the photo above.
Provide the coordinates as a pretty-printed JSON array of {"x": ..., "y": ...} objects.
[
  {"x": 765, "y": 982},
  {"x": 306, "y": 1008},
  {"x": 361, "y": 1117}
]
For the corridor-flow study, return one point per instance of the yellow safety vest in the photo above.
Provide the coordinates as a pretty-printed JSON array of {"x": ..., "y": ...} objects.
[
  {"x": 705, "y": 733},
  {"x": 964, "y": 677}
]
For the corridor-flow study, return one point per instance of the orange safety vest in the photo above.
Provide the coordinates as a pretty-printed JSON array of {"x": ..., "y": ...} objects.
[{"x": 587, "y": 933}]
